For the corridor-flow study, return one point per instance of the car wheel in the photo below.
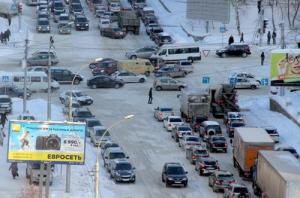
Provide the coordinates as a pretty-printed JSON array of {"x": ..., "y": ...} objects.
[
  {"x": 253, "y": 87},
  {"x": 162, "y": 179},
  {"x": 244, "y": 55},
  {"x": 185, "y": 184},
  {"x": 133, "y": 57},
  {"x": 76, "y": 81},
  {"x": 62, "y": 101},
  {"x": 180, "y": 88},
  {"x": 167, "y": 184},
  {"x": 209, "y": 184},
  {"x": 158, "y": 88},
  {"x": 117, "y": 86},
  {"x": 200, "y": 173},
  {"x": 142, "y": 80},
  {"x": 94, "y": 86},
  {"x": 223, "y": 55},
  {"x": 214, "y": 188},
  {"x": 191, "y": 59}
]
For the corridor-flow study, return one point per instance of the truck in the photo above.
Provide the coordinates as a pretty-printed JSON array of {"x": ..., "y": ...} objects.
[
  {"x": 277, "y": 175},
  {"x": 223, "y": 100},
  {"x": 129, "y": 21},
  {"x": 194, "y": 102},
  {"x": 246, "y": 144}
]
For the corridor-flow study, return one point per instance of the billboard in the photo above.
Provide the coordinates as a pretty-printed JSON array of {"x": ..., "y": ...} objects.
[
  {"x": 46, "y": 141},
  {"x": 285, "y": 67},
  {"x": 217, "y": 10}
]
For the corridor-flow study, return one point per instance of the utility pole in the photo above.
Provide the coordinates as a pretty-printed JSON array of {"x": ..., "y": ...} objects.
[
  {"x": 282, "y": 43},
  {"x": 261, "y": 25},
  {"x": 25, "y": 75}
]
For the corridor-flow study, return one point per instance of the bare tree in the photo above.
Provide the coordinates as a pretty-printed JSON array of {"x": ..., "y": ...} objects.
[
  {"x": 292, "y": 12},
  {"x": 272, "y": 4},
  {"x": 236, "y": 5}
]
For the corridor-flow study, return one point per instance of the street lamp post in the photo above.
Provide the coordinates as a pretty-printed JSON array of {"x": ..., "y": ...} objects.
[{"x": 97, "y": 166}]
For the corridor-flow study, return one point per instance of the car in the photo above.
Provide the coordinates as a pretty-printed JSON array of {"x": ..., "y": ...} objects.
[
  {"x": 220, "y": 180},
  {"x": 196, "y": 122},
  {"x": 65, "y": 76},
  {"x": 144, "y": 52},
  {"x": 171, "y": 71},
  {"x": 81, "y": 22},
  {"x": 163, "y": 38},
  {"x": 64, "y": 28},
  {"x": 76, "y": 8},
  {"x": 171, "y": 121},
  {"x": 122, "y": 171},
  {"x": 103, "y": 81},
  {"x": 179, "y": 131},
  {"x": 160, "y": 113},
  {"x": 188, "y": 141},
  {"x": 43, "y": 14},
  {"x": 234, "y": 50},
  {"x": 150, "y": 26},
  {"x": 77, "y": 95},
  {"x": 150, "y": 19},
  {"x": 43, "y": 25},
  {"x": 5, "y": 104},
  {"x": 104, "y": 23},
  {"x": 26, "y": 116},
  {"x": 113, "y": 32},
  {"x": 209, "y": 128},
  {"x": 206, "y": 165},
  {"x": 216, "y": 143},
  {"x": 273, "y": 133},
  {"x": 81, "y": 114},
  {"x": 99, "y": 135},
  {"x": 112, "y": 16},
  {"x": 290, "y": 149},
  {"x": 153, "y": 31},
  {"x": 99, "y": 10},
  {"x": 185, "y": 65},
  {"x": 246, "y": 83},
  {"x": 90, "y": 123},
  {"x": 70, "y": 108},
  {"x": 42, "y": 59},
  {"x": 174, "y": 174},
  {"x": 129, "y": 77},
  {"x": 232, "y": 125},
  {"x": 106, "y": 145},
  {"x": 56, "y": 14},
  {"x": 14, "y": 91},
  {"x": 42, "y": 8},
  {"x": 167, "y": 83},
  {"x": 245, "y": 75},
  {"x": 236, "y": 190},
  {"x": 104, "y": 62},
  {"x": 64, "y": 18},
  {"x": 230, "y": 116},
  {"x": 195, "y": 152},
  {"x": 112, "y": 153}
]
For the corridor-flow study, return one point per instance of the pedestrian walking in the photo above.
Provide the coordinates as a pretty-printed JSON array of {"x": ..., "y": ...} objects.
[
  {"x": 262, "y": 58},
  {"x": 258, "y": 6},
  {"x": 269, "y": 37},
  {"x": 230, "y": 40},
  {"x": 274, "y": 37},
  {"x": 150, "y": 96},
  {"x": 242, "y": 38},
  {"x": 14, "y": 169},
  {"x": 1, "y": 37},
  {"x": 3, "y": 119},
  {"x": 8, "y": 34}
]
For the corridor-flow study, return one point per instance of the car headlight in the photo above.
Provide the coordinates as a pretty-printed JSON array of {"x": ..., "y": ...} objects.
[
  {"x": 77, "y": 24},
  {"x": 170, "y": 178},
  {"x": 48, "y": 27},
  {"x": 117, "y": 173},
  {"x": 184, "y": 179},
  {"x": 86, "y": 24},
  {"x": 39, "y": 27}
]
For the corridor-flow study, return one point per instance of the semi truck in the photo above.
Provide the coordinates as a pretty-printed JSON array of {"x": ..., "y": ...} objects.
[
  {"x": 246, "y": 144},
  {"x": 129, "y": 21},
  {"x": 276, "y": 174},
  {"x": 194, "y": 102}
]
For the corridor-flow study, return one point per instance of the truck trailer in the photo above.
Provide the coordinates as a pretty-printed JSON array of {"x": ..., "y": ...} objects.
[
  {"x": 246, "y": 144},
  {"x": 276, "y": 174}
]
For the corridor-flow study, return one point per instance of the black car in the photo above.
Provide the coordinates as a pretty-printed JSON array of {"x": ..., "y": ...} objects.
[
  {"x": 14, "y": 92},
  {"x": 81, "y": 114},
  {"x": 216, "y": 143},
  {"x": 76, "y": 8},
  {"x": 206, "y": 165},
  {"x": 154, "y": 31},
  {"x": 102, "y": 62},
  {"x": 173, "y": 173},
  {"x": 81, "y": 22},
  {"x": 234, "y": 50},
  {"x": 65, "y": 76},
  {"x": 103, "y": 81},
  {"x": 163, "y": 38}
]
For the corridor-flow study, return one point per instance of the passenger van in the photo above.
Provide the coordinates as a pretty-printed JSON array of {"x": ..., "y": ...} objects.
[
  {"x": 176, "y": 52},
  {"x": 140, "y": 66},
  {"x": 36, "y": 81}
]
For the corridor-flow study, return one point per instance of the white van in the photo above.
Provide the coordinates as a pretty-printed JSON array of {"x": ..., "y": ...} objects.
[
  {"x": 176, "y": 52},
  {"x": 36, "y": 81}
]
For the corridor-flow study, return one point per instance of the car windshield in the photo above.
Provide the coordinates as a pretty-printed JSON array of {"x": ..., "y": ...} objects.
[
  {"x": 93, "y": 123},
  {"x": 184, "y": 128},
  {"x": 166, "y": 109},
  {"x": 76, "y": 7},
  {"x": 215, "y": 127},
  {"x": 227, "y": 177},
  {"x": 198, "y": 152},
  {"x": 116, "y": 29},
  {"x": 5, "y": 100},
  {"x": 63, "y": 18},
  {"x": 186, "y": 63},
  {"x": 110, "y": 145},
  {"x": 218, "y": 138},
  {"x": 237, "y": 124},
  {"x": 85, "y": 114},
  {"x": 175, "y": 170},
  {"x": 234, "y": 115},
  {"x": 271, "y": 131},
  {"x": 81, "y": 19},
  {"x": 79, "y": 94},
  {"x": 192, "y": 139},
  {"x": 124, "y": 166},
  {"x": 240, "y": 190},
  {"x": 44, "y": 22},
  {"x": 116, "y": 155},
  {"x": 100, "y": 132},
  {"x": 175, "y": 120},
  {"x": 210, "y": 163}
]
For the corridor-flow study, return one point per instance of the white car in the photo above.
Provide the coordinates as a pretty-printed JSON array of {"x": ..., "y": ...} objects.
[
  {"x": 129, "y": 77},
  {"x": 104, "y": 23},
  {"x": 188, "y": 141},
  {"x": 171, "y": 121},
  {"x": 81, "y": 97},
  {"x": 246, "y": 83}
]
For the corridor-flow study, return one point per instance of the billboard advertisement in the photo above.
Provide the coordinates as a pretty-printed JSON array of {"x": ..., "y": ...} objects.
[
  {"x": 46, "y": 141},
  {"x": 285, "y": 67}
]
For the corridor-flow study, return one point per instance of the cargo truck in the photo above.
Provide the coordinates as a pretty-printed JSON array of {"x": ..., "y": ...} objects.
[
  {"x": 194, "y": 102},
  {"x": 246, "y": 143},
  {"x": 276, "y": 174},
  {"x": 129, "y": 21}
]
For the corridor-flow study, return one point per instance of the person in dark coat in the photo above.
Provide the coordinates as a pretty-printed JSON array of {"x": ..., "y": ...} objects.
[
  {"x": 274, "y": 37},
  {"x": 262, "y": 58},
  {"x": 242, "y": 38},
  {"x": 150, "y": 96},
  {"x": 3, "y": 119},
  {"x": 8, "y": 34},
  {"x": 1, "y": 37},
  {"x": 14, "y": 169},
  {"x": 230, "y": 40},
  {"x": 269, "y": 37}
]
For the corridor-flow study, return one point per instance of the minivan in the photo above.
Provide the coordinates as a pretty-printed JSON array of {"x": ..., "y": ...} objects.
[{"x": 141, "y": 66}]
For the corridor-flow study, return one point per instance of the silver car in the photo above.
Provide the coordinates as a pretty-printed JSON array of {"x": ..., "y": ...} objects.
[
  {"x": 185, "y": 65},
  {"x": 43, "y": 25},
  {"x": 129, "y": 77},
  {"x": 144, "y": 52},
  {"x": 167, "y": 83},
  {"x": 38, "y": 59},
  {"x": 99, "y": 135}
]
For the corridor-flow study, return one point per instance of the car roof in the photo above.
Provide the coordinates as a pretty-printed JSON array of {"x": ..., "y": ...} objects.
[
  {"x": 92, "y": 119},
  {"x": 43, "y": 19},
  {"x": 208, "y": 159},
  {"x": 99, "y": 128},
  {"x": 188, "y": 136},
  {"x": 121, "y": 160},
  {"x": 114, "y": 149},
  {"x": 223, "y": 172},
  {"x": 174, "y": 117},
  {"x": 210, "y": 123},
  {"x": 83, "y": 109},
  {"x": 173, "y": 164},
  {"x": 4, "y": 96}
]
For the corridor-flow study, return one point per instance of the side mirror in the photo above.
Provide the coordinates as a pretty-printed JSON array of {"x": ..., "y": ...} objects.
[
  {"x": 127, "y": 157},
  {"x": 186, "y": 172},
  {"x": 106, "y": 157},
  {"x": 230, "y": 141},
  {"x": 133, "y": 168}
]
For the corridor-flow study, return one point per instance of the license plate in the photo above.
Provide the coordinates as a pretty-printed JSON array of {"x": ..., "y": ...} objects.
[
  {"x": 177, "y": 182},
  {"x": 125, "y": 179}
]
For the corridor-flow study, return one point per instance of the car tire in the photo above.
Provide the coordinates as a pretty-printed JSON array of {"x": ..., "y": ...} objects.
[
  {"x": 253, "y": 87},
  {"x": 180, "y": 88},
  {"x": 214, "y": 189},
  {"x": 117, "y": 86},
  {"x": 209, "y": 184},
  {"x": 191, "y": 59},
  {"x": 94, "y": 86},
  {"x": 158, "y": 88},
  {"x": 142, "y": 80},
  {"x": 223, "y": 55},
  {"x": 133, "y": 57},
  {"x": 185, "y": 184},
  {"x": 76, "y": 81},
  {"x": 167, "y": 184},
  {"x": 162, "y": 179},
  {"x": 62, "y": 101},
  {"x": 244, "y": 55}
]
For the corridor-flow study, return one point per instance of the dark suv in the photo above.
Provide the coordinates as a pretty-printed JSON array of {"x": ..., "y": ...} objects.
[
  {"x": 81, "y": 114},
  {"x": 81, "y": 22},
  {"x": 234, "y": 50},
  {"x": 216, "y": 143},
  {"x": 173, "y": 173},
  {"x": 65, "y": 76},
  {"x": 122, "y": 171},
  {"x": 206, "y": 165}
]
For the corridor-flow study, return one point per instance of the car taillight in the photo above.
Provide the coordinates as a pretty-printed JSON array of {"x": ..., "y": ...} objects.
[
  {"x": 218, "y": 182},
  {"x": 170, "y": 125},
  {"x": 194, "y": 157},
  {"x": 231, "y": 195}
]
